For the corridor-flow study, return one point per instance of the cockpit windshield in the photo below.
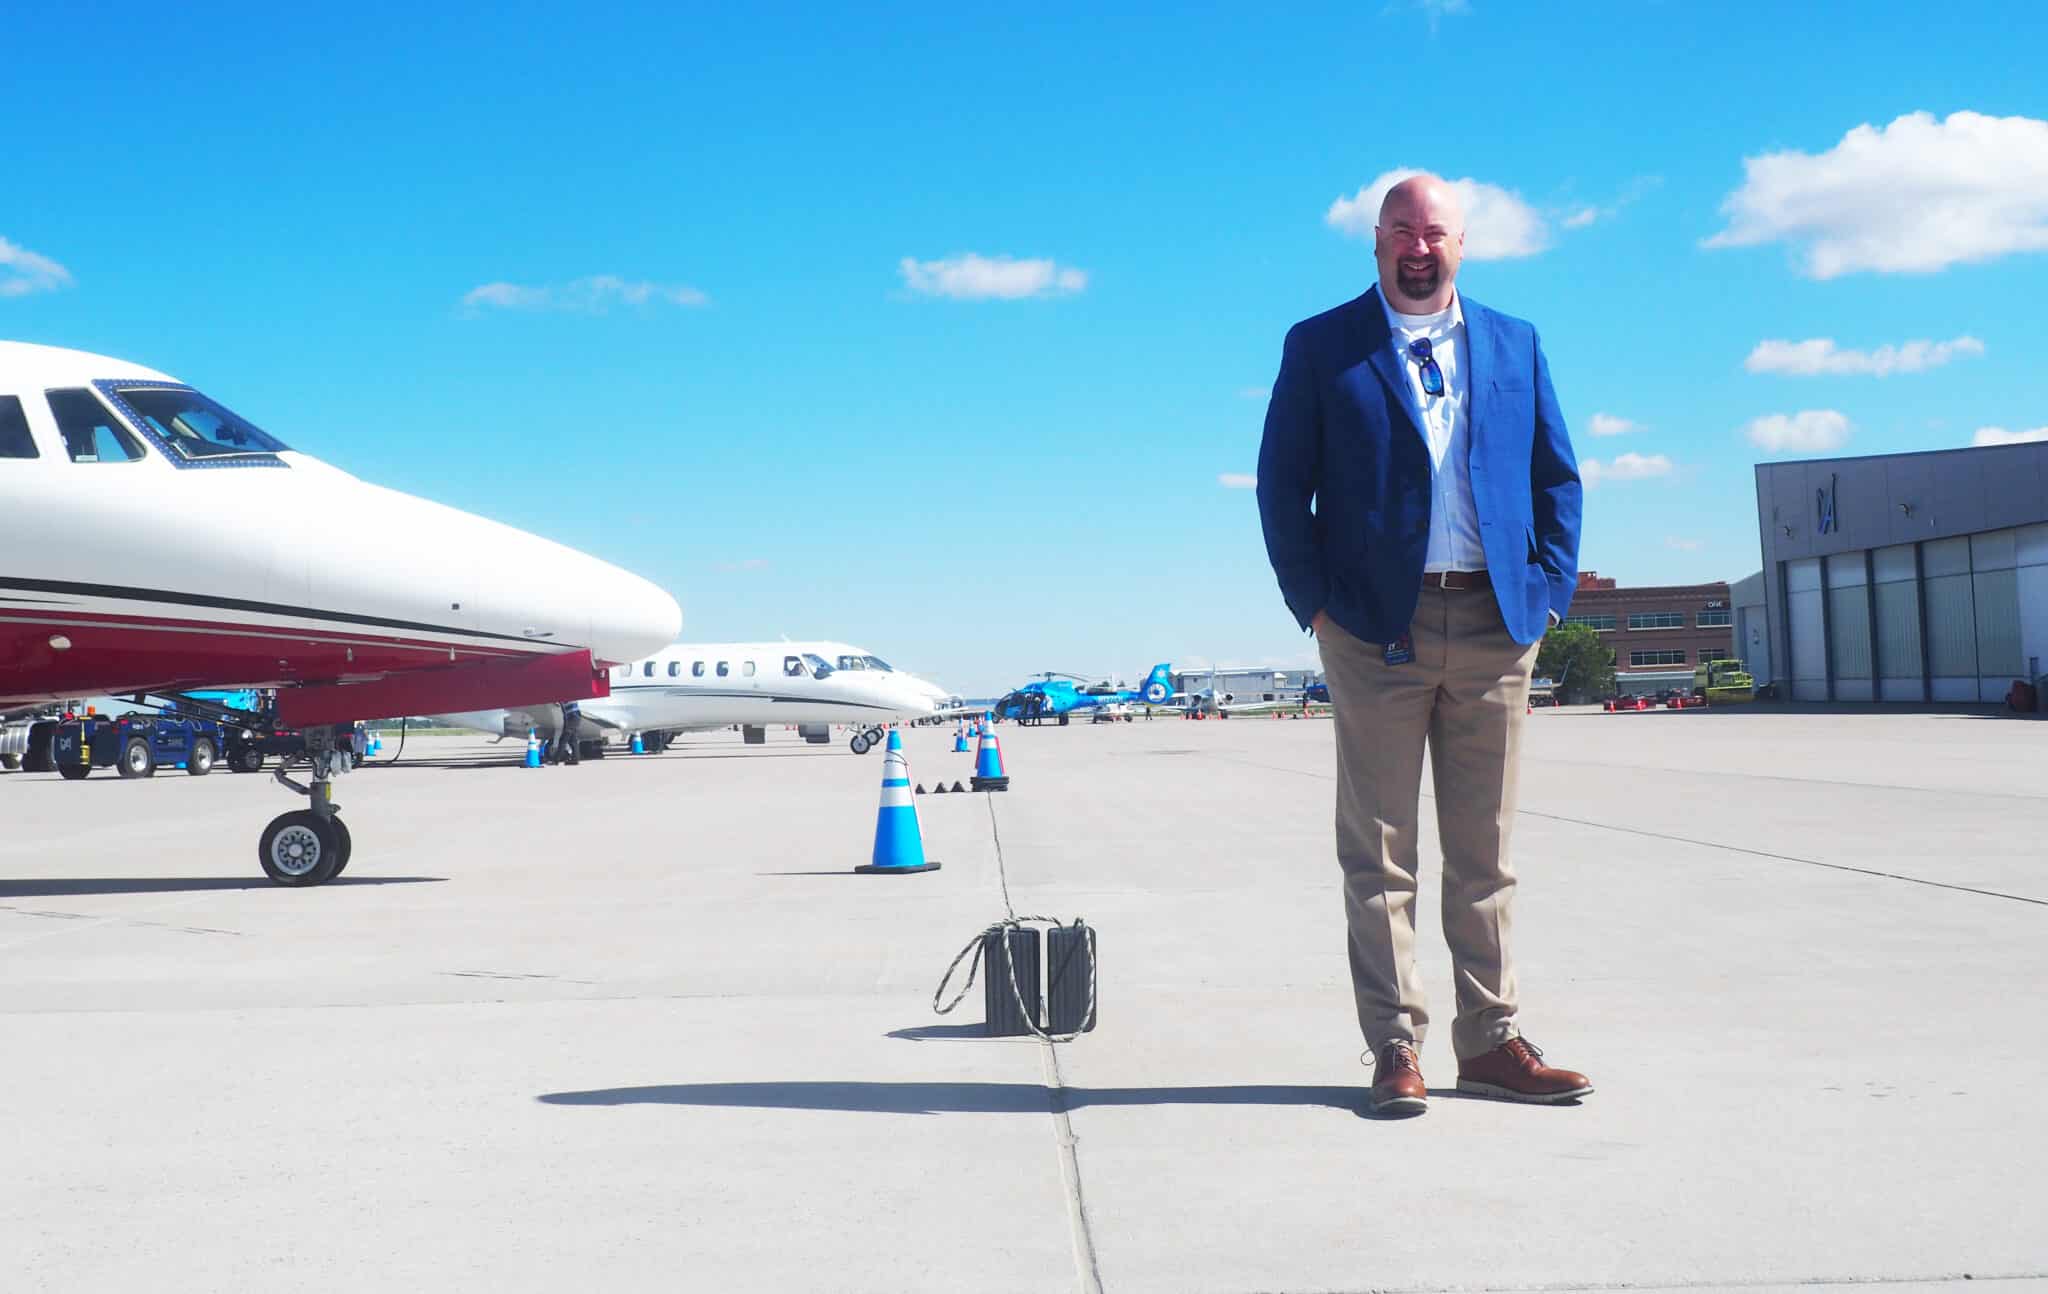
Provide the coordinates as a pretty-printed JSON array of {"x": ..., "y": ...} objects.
[
  {"x": 194, "y": 426},
  {"x": 817, "y": 664},
  {"x": 853, "y": 662},
  {"x": 876, "y": 662}
]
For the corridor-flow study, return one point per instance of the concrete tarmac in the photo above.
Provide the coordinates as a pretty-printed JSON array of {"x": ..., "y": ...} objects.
[{"x": 636, "y": 1025}]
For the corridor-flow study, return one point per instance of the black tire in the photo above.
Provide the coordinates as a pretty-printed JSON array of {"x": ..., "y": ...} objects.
[
  {"x": 859, "y": 744},
  {"x": 137, "y": 759},
  {"x": 299, "y": 848},
  {"x": 249, "y": 759},
  {"x": 10, "y": 762},
  {"x": 1064, "y": 718},
  {"x": 73, "y": 772},
  {"x": 344, "y": 846},
  {"x": 200, "y": 763}
]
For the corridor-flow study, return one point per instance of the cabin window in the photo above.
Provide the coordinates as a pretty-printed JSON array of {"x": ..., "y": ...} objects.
[
  {"x": 723, "y": 669},
  {"x": 193, "y": 426},
  {"x": 91, "y": 434},
  {"x": 647, "y": 670},
  {"x": 675, "y": 669},
  {"x": 15, "y": 442},
  {"x": 792, "y": 667},
  {"x": 697, "y": 669},
  {"x": 746, "y": 669}
]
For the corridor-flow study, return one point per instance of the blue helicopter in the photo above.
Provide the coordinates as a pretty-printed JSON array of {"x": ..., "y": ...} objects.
[{"x": 1058, "y": 696}]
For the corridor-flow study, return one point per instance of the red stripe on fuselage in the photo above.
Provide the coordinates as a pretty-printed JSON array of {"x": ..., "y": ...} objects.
[{"x": 114, "y": 653}]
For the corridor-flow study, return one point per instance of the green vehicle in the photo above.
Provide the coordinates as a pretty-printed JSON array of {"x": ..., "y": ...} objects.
[{"x": 1723, "y": 682}]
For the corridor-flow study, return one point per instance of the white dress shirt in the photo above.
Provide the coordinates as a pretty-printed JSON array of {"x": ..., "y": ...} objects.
[{"x": 1454, "y": 543}]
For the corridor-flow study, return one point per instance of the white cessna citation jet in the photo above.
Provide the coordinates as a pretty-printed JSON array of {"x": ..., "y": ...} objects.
[
  {"x": 153, "y": 541},
  {"x": 692, "y": 687}
]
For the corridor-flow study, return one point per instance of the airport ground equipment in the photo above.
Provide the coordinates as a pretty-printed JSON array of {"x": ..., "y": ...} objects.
[
  {"x": 25, "y": 741},
  {"x": 135, "y": 744},
  {"x": 899, "y": 845},
  {"x": 1723, "y": 682},
  {"x": 988, "y": 762}
]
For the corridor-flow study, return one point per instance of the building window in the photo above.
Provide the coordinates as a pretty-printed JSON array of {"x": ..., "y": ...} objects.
[
  {"x": 1713, "y": 619},
  {"x": 1656, "y": 619},
  {"x": 1638, "y": 659},
  {"x": 1603, "y": 624}
]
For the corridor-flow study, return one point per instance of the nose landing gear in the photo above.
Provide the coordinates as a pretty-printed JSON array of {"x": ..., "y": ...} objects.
[
  {"x": 863, "y": 742},
  {"x": 309, "y": 846}
]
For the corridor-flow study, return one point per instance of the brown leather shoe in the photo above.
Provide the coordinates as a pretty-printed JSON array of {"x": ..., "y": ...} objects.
[
  {"x": 1514, "y": 1071},
  {"x": 1397, "y": 1086}
]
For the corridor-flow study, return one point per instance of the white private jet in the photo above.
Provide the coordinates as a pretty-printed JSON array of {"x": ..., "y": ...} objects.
[
  {"x": 157, "y": 542},
  {"x": 700, "y": 686}
]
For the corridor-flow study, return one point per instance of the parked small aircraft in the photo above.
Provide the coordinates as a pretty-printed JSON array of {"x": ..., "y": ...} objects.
[
  {"x": 1056, "y": 696},
  {"x": 160, "y": 543},
  {"x": 690, "y": 687}
]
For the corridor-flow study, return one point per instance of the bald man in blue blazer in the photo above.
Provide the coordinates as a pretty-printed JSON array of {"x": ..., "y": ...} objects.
[{"x": 1420, "y": 502}]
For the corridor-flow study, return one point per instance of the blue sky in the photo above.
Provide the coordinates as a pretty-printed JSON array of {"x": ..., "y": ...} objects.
[{"x": 689, "y": 288}]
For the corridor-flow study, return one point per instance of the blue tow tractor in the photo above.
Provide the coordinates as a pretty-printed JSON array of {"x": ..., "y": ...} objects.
[{"x": 136, "y": 745}]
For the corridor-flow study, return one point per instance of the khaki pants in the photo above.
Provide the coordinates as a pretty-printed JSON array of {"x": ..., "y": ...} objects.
[{"x": 1464, "y": 695}]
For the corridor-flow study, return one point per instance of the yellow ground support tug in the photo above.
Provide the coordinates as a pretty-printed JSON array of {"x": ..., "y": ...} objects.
[{"x": 1723, "y": 682}]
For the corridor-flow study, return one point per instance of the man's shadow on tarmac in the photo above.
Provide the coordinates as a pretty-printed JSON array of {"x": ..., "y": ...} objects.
[{"x": 952, "y": 1098}]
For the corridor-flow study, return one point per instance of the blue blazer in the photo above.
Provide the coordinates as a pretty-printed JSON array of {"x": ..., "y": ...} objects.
[{"x": 1344, "y": 483}]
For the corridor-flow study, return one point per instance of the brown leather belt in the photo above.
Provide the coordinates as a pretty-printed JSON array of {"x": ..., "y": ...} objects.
[{"x": 1456, "y": 581}]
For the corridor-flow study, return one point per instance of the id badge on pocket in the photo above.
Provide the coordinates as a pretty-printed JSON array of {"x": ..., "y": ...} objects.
[{"x": 1400, "y": 651}]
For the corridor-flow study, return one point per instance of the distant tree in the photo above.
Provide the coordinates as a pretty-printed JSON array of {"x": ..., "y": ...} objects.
[{"x": 1581, "y": 665}]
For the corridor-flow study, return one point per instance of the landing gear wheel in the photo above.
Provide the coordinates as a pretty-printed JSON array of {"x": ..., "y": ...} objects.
[
  {"x": 73, "y": 772},
  {"x": 137, "y": 759},
  {"x": 248, "y": 760},
  {"x": 859, "y": 744},
  {"x": 300, "y": 848},
  {"x": 200, "y": 763},
  {"x": 10, "y": 762},
  {"x": 343, "y": 846}
]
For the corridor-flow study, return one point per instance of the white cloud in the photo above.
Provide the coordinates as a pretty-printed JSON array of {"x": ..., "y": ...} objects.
[
  {"x": 1256, "y": 392},
  {"x": 1811, "y": 431},
  {"x": 1498, "y": 224},
  {"x": 1606, "y": 424},
  {"x": 1684, "y": 545},
  {"x": 1820, "y": 356},
  {"x": 1237, "y": 481},
  {"x": 1591, "y": 213},
  {"x": 1625, "y": 467},
  {"x": 594, "y": 294},
  {"x": 973, "y": 277},
  {"x": 2000, "y": 436},
  {"x": 1916, "y": 196},
  {"x": 23, "y": 271}
]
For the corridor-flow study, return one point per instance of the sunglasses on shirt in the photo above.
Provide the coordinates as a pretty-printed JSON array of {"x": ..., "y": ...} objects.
[{"x": 1432, "y": 376}]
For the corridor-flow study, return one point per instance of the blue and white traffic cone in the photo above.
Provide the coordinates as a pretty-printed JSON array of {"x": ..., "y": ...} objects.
[
  {"x": 988, "y": 763},
  {"x": 639, "y": 747},
  {"x": 376, "y": 743},
  {"x": 899, "y": 845},
  {"x": 532, "y": 749},
  {"x": 960, "y": 737}
]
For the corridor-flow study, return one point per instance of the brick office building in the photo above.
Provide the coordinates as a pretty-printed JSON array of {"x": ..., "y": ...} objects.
[{"x": 1658, "y": 632}]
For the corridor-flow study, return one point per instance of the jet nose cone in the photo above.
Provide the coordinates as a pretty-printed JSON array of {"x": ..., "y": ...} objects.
[{"x": 630, "y": 618}]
